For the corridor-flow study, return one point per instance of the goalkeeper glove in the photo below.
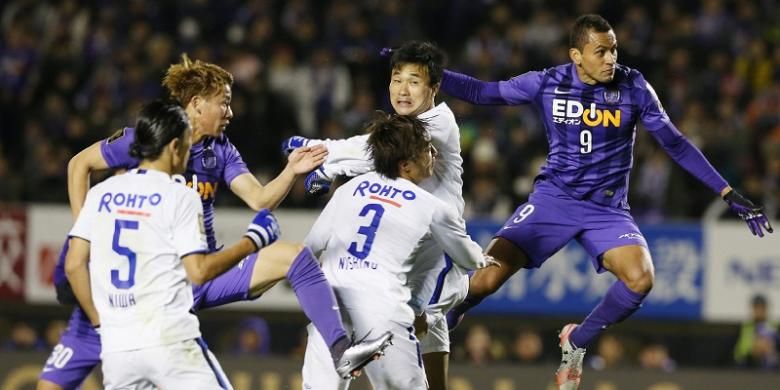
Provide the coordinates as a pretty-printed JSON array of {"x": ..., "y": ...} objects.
[
  {"x": 263, "y": 230},
  {"x": 752, "y": 215},
  {"x": 292, "y": 143},
  {"x": 317, "y": 183}
]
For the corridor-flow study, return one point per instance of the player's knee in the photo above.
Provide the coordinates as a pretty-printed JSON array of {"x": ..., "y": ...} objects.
[
  {"x": 639, "y": 280},
  {"x": 291, "y": 251},
  {"x": 282, "y": 252}
]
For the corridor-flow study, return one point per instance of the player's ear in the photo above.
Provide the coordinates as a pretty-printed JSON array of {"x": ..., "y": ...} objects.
[
  {"x": 575, "y": 55},
  {"x": 195, "y": 103},
  {"x": 404, "y": 166},
  {"x": 174, "y": 146}
]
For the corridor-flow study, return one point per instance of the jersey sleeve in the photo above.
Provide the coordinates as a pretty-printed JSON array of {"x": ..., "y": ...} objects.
[
  {"x": 440, "y": 123},
  {"x": 319, "y": 235},
  {"x": 348, "y": 157},
  {"x": 449, "y": 231},
  {"x": 116, "y": 149},
  {"x": 676, "y": 145},
  {"x": 82, "y": 228},
  {"x": 651, "y": 112},
  {"x": 189, "y": 231},
  {"x": 234, "y": 164},
  {"x": 518, "y": 90}
]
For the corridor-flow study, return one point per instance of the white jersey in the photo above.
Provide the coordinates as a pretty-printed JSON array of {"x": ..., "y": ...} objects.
[
  {"x": 139, "y": 225},
  {"x": 435, "y": 283},
  {"x": 368, "y": 234}
]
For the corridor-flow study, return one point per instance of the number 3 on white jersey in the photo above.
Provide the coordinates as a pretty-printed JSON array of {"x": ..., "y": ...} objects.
[{"x": 524, "y": 213}]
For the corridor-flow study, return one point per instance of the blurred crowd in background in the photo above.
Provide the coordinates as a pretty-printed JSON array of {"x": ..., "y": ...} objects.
[
  {"x": 753, "y": 344},
  {"x": 72, "y": 72}
]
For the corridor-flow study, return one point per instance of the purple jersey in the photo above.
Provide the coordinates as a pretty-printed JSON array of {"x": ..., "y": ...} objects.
[
  {"x": 59, "y": 269},
  {"x": 213, "y": 162},
  {"x": 590, "y": 128}
]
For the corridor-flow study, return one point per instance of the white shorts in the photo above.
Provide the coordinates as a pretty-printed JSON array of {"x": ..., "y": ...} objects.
[
  {"x": 183, "y": 365},
  {"x": 438, "y": 337},
  {"x": 450, "y": 291},
  {"x": 400, "y": 369}
]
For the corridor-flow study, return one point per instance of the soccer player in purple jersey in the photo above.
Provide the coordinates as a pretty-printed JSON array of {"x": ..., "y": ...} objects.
[
  {"x": 204, "y": 91},
  {"x": 590, "y": 108}
]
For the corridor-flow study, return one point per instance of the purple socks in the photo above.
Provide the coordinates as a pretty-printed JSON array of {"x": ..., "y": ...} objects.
[
  {"x": 619, "y": 303},
  {"x": 317, "y": 300}
]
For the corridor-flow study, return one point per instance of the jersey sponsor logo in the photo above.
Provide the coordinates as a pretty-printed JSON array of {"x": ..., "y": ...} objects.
[
  {"x": 560, "y": 91},
  {"x": 631, "y": 236},
  {"x": 383, "y": 192},
  {"x": 572, "y": 112},
  {"x": 133, "y": 201},
  {"x": 207, "y": 190}
]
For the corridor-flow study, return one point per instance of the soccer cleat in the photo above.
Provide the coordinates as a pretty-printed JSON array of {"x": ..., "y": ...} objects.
[
  {"x": 570, "y": 371},
  {"x": 361, "y": 353}
]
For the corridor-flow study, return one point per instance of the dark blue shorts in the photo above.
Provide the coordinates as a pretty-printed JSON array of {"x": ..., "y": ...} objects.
[{"x": 551, "y": 218}]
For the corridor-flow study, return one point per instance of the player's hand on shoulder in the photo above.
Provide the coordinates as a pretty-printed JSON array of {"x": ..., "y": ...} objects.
[
  {"x": 317, "y": 183},
  {"x": 307, "y": 158},
  {"x": 292, "y": 143},
  {"x": 264, "y": 229},
  {"x": 751, "y": 213}
]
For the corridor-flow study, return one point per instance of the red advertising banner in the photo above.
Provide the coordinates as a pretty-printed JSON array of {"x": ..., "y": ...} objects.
[{"x": 13, "y": 237}]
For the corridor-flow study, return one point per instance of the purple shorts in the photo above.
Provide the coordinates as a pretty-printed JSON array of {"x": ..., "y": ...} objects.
[
  {"x": 78, "y": 351},
  {"x": 551, "y": 218},
  {"x": 232, "y": 286}
]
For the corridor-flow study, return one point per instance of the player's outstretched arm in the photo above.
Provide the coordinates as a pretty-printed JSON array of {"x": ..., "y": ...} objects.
[
  {"x": 346, "y": 157},
  {"x": 301, "y": 161},
  {"x": 449, "y": 231},
  {"x": 78, "y": 274},
  {"x": 79, "y": 169},
  {"x": 751, "y": 213},
  {"x": 472, "y": 90},
  {"x": 261, "y": 232}
]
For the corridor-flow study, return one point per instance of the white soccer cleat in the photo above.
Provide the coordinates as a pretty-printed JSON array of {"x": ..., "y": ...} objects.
[
  {"x": 361, "y": 353},
  {"x": 570, "y": 371}
]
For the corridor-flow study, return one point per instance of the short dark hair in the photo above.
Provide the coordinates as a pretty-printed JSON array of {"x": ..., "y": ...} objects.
[
  {"x": 578, "y": 37},
  {"x": 425, "y": 54},
  {"x": 158, "y": 124},
  {"x": 394, "y": 138}
]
